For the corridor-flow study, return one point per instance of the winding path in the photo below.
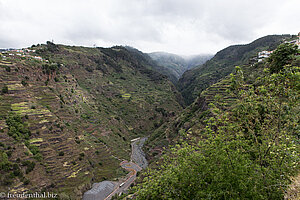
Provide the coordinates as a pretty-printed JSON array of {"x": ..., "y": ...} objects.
[
  {"x": 106, "y": 190},
  {"x": 133, "y": 168}
]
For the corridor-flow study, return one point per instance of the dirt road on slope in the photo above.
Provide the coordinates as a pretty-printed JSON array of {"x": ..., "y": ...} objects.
[{"x": 107, "y": 189}]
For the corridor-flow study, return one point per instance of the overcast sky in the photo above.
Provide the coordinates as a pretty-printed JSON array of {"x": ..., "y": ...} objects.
[{"x": 177, "y": 26}]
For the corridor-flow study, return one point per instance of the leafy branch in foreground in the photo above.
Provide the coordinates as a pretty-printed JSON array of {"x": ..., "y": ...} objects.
[
  {"x": 283, "y": 55},
  {"x": 250, "y": 152}
]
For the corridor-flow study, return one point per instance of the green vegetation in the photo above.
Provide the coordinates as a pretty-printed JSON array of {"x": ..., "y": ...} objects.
[
  {"x": 16, "y": 128},
  {"x": 24, "y": 83},
  {"x": 283, "y": 55},
  {"x": 9, "y": 170},
  {"x": 50, "y": 68},
  {"x": 29, "y": 166},
  {"x": 32, "y": 148},
  {"x": 52, "y": 47},
  {"x": 7, "y": 68},
  {"x": 249, "y": 152},
  {"x": 174, "y": 66},
  {"x": 77, "y": 114},
  {"x": 4, "y": 89},
  {"x": 246, "y": 150},
  {"x": 194, "y": 81},
  {"x": 73, "y": 122}
]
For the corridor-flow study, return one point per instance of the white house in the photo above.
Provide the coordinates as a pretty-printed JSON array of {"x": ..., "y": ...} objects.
[
  {"x": 264, "y": 54},
  {"x": 296, "y": 42}
]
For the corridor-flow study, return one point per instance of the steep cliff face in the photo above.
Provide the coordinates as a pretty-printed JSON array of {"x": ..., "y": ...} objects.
[{"x": 67, "y": 114}]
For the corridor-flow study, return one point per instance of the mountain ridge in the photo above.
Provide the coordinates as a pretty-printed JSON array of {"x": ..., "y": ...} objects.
[
  {"x": 196, "y": 80},
  {"x": 177, "y": 64},
  {"x": 67, "y": 114}
]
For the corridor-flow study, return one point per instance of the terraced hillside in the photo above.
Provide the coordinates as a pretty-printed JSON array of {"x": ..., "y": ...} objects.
[
  {"x": 67, "y": 115},
  {"x": 226, "y": 140},
  {"x": 192, "y": 118},
  {"x": 194, "y": 81}
]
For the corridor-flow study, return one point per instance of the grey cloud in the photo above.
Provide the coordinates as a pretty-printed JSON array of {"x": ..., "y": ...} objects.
[{"x": 184, "y": 27}]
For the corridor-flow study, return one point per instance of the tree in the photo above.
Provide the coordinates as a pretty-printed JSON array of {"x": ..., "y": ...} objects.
[
  {"x": 52, "y": 47},
  {"x": 16, "y": 128},
  {"x": 282, "y": 56},
  {"x": 236, "y": 79},
  {"x": 4, "y": 89},
  {"x": 24, "y": 83},
  {"x": 249, "y": 152}
]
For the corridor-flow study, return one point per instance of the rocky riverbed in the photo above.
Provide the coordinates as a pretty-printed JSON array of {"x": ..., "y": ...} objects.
[{"x": 137, "y": 155}]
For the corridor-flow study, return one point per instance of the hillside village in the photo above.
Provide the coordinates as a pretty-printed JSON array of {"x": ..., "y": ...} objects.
[
  {"x": 265, "y": 54},
  {"x": 22, "y": 53}
]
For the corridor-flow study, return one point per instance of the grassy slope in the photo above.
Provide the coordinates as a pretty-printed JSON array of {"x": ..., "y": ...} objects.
[
  {"x": 93, "y": 104},
  {"x": 194, "y": 81}
]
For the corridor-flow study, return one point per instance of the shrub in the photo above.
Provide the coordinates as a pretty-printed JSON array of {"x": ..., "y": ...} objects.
[
  {"x": 24, "y": 83},
  {"x": 4, "y": 89},
  {"x": 7, "y": 180},
  {"x": 30, "y": 165},
  {"x": 17, "y": 171},
  {"x": 16, "y": 128},
  {"x": 26, "y": 181},
  {"x": 249, "y": 152},
  {"x": 7, "y": 68},
  {"x": 52, "y": 47},
  {"x": 282, "y": 56},
  {"x": 38, "y": 157},
  {"x": 89, "y": 68}
]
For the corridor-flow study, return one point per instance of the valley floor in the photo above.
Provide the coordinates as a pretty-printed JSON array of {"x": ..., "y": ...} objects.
[{"x": 105, "y": 190}]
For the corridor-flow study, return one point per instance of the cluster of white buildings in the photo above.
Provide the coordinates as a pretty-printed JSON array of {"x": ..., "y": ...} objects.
[
  {"x": 22, "y": 53},
  {"x": 297, "y": 41},
  {"x": 263, "y": 54}
]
